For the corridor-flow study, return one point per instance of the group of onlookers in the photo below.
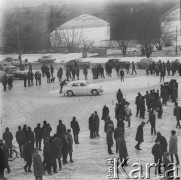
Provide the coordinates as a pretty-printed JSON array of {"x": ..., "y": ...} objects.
[{"x": 55, "y": 147}]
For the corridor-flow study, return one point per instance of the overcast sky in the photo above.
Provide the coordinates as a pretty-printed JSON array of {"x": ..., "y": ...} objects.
[{"x": 28, "y": 3}]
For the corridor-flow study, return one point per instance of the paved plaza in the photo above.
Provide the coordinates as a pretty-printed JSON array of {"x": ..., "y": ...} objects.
[{"x": 32, "y": 105}]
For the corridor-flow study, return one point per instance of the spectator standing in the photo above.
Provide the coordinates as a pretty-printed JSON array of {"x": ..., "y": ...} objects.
[{"x": 76, "y": 129}]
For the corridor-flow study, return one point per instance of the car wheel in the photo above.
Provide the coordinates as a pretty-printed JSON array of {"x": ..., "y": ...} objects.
[
  {"x": 70, "y": 93},
  {"x": 94, "y": 92}
]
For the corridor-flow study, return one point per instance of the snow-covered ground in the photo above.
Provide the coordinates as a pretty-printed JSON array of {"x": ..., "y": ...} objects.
[{"x": 34, "y": 104}]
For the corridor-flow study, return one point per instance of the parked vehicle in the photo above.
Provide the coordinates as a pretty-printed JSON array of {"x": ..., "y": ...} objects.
[
  {"x": 7, "y": 67},
  {"x": 145, "y": 62},
  {"x": 117, "y": 62},
  {"x": 78, "y": 62},
  {"x": 15, "y": 61},
  {"x": 81, "y": 88},
  {"x": 47, "y": 59}
]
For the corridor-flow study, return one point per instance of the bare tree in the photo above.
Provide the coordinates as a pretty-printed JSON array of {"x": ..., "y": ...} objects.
[{"x": 72, "y": 39}]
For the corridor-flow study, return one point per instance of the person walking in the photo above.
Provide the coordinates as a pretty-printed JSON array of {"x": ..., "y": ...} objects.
[
  {"x": 109, "y": 138},
  {"x": 38, "y": 168},
  {"x": 21, "y": 139},
  {"x": 139, "y": 135},
  {"x": 137, "y": 102},
  {"x": 38, "y": 136},
  {"x": 27, "y": 154},
  {"x": 76, "y": 129},
  {"x": 177, "y": 114},
  {"x": 152, "y": 120},
  {"x": 62, "y": 84},
  {"x": 31, "y": 137},
  {"x": 97, "y": 122},
  {"x": 122, "y": 149},
  {"x": 8, "y": 138},
  {"x": 173, "y": 144},
  {"x": 10, "y": 82},
  {"x": 157, "y": 152}
]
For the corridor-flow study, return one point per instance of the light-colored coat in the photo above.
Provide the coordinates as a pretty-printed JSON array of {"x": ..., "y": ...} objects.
[
  {"x": 173, "y": 145},
  {"x": 37, "y": 165}
]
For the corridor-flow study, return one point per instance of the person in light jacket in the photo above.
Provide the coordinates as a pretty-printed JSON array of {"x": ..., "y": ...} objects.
[
  {"x": 173, "y": 150},
  {"x": 38, "y": 168}
]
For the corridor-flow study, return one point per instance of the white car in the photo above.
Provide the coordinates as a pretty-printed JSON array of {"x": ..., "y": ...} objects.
[
  {"x": 47, "y": 59},
  {"x": 81, "y": 88}
]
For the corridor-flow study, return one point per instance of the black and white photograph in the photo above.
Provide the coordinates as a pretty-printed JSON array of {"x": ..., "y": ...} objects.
[{"x": 90, "y": 89}]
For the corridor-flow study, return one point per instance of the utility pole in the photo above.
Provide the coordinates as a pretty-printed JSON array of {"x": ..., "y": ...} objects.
[{"x": 176, "y": 41}]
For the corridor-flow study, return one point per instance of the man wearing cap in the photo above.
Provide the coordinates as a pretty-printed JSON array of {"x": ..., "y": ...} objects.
[
  {"x": 157, "y": 152},
  {"x": 139, "y": 135},
  {"x": 173, "y": 150}
]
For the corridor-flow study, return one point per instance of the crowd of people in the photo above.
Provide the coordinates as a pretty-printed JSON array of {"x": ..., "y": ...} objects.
[{"x": 30, "y": 142}]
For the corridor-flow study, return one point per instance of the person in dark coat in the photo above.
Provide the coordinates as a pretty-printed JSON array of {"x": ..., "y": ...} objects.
[
  {"x": 61, "y": 129},
  {"x": 107, "y": 122},
  {"x": 105, "y": 113},
  {"x": 59, "y": 74},
  {"x": 10, "y": 82},
  {"x": 21, "y": 139},
  {"x": 62, "y": 84},
  {"x": 76, "y": 129},
  {"x": 167, "y": 166},
  {"x": 122, "y": 149},
  {"x": 65, "y": 148},
  {"x": 85, "y": 72},
  {"x": 109, "y": 138},
  {"x": 48, "y": 155},
  {"x": 4, "y": 81},
  {"x": 142, "y": 108},
  {"x": 31, "y": 137},
  {"x": 133, "y": 68},
  {"x": 27, "y": 154},
  {"x": 48, "y": 76},
  {"x": 38, "y": 136},
  {"x": 38, "y": 168},
  {"x": 25, "y": 79},
  {"x": 25, "y": 130},
  {"x": 97, "y": 122},
  {"x": 139, "y": 135},
  {"x": 8, "y": 138},
  {"x": 29, "y": 78},
  {"x": 177, "y": 114},
  {"x": 2, "y": 162},
  {"x": 137, "y": 102},
  {"x": 119, "y": 96},
  {"x": 157, "y": 152},
  {"x": 46, "y": 132},
  {"x": 57, "y": 148},
  {"x": 118, "y": 130},
  {"x": 122, "y": 74},
  {"x": 5, "y": 149},
  {"x": 163, "y": 141},
  {"x": 52, "y": 70},
  {"x": 152, "y": 120},
  {"x": 91, "y": 125}
]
